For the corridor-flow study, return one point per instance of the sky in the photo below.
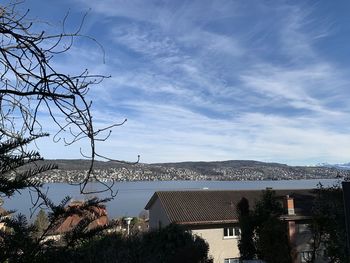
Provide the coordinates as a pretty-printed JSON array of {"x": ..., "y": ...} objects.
[{"x": 212, "y": 80}]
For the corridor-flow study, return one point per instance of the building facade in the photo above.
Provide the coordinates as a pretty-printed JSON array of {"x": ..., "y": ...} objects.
[{"x": 212, "y": 215}]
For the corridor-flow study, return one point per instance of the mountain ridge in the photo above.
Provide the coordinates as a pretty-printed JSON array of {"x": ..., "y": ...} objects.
[{"x": 75, "y": 170}]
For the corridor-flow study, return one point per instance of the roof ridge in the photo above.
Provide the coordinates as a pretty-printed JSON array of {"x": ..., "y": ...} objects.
[{"x": 234, "y": 190}]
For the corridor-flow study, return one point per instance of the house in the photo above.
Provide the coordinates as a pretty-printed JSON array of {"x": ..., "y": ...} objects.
[
  {"x": 76, "y": 212},
  {"x": 212, "y": 215}
]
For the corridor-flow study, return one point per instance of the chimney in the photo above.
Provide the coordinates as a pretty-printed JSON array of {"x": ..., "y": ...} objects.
[{"x": 289, "y": 205}]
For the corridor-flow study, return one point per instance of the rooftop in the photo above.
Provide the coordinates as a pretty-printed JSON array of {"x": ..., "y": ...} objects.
[{"x": 214, "y": 207}]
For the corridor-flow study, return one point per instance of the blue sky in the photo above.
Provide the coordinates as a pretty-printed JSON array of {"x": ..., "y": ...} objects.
[{"x": 213, "y": 80}]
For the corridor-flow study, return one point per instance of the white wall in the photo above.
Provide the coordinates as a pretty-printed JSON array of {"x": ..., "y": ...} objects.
[
  {"x": 219, "y": 248},
  {"x": 157, "y": 215}
]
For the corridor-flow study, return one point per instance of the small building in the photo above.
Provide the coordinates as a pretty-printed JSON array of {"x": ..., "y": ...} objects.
[
  {"x": 96, "y": 215},
  {"x": 212, "y": 215}
]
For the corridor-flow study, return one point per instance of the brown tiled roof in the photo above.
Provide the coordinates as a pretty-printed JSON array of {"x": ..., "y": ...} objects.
[
  {"x": 97, "y": 215},
  {"x": 214, "y": 207}
]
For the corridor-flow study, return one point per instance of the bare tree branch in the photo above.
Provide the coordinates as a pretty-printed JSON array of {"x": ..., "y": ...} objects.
[{"x": 30, "y": 83}]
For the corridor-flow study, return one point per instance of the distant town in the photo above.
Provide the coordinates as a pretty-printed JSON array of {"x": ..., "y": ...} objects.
[{"x": 75, "y": 171}]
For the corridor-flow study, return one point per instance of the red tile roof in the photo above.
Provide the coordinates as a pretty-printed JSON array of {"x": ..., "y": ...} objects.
[
  {"x": 97, "y": 215},
  {"x": 213, "y": 207}
]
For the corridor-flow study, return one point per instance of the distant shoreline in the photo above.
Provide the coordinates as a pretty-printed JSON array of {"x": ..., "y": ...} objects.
[{"x": 71, "y": 171}]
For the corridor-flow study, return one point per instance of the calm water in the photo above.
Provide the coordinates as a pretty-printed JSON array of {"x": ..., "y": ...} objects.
[{"x": 133, "y": 196}]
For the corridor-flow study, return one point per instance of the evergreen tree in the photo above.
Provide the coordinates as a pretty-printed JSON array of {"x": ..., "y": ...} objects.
[
  {"x": 273, "y": 242},
  {"x": 19, "y": 241},
  {"x": 246, "y": 242},
  {"x": 16, "y": 240},
  {"x": 271, "y": 238},
  {"x": 328, "y": 224},
  {"x": 263, "y": 235}
]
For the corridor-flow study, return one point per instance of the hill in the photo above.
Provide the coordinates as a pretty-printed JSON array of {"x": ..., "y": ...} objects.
[{"x": 74, "y": 170}]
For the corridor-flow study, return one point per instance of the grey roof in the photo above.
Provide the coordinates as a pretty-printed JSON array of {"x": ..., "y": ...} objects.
[{"x": 213, "y": 207}]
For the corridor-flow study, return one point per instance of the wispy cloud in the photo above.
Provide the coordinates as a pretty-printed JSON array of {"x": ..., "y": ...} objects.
[
  {"x": 217, "y": 80},
  {"x": 296, "y": 86}
]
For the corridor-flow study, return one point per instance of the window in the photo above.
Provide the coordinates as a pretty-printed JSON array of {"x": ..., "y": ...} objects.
[
  {"x": 232, "y": 232},
  {"x": 303, "y": 228},
  {"x": 231, "y": 260},
  {"x": 305, "y": 256}
]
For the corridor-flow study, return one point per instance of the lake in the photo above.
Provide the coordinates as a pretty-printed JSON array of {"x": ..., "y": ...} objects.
[{"x": 133, "y": 196}]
